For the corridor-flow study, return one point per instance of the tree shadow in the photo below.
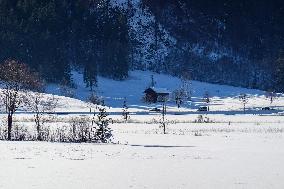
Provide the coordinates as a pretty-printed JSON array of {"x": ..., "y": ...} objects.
[{"x": 159, "y": 146}]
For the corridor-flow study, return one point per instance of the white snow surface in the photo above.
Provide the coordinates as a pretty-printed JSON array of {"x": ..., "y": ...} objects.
[
  {"x": 233, "y": 150},
  {"x": 145, "y": 158}
]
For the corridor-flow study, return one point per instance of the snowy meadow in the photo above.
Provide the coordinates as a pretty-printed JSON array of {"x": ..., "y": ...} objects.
[{"x": 221, "y": 148}]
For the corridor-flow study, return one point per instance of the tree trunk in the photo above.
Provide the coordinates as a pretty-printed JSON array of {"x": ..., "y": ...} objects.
[
  {"x": 37, "y": 120},
  {"x": 163, "y": 118},
  {"x": 38, "y": 132},
  {"x": 10, "y": 121}
]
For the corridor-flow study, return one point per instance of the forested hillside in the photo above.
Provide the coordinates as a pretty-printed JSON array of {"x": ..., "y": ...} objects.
[
  {"x": 236, "y": 42},
  {"x": 227, "y": 42},
  {"x": 54, "y": 36}
]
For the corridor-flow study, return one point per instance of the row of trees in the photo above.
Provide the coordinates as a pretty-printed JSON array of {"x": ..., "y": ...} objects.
[
  {"x": 22, "y": 88},
  {"x": 16, "y": 79},
  {"x": 184, "y": 92}
]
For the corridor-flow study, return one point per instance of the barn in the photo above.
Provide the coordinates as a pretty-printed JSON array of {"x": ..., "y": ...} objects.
[{"x": 153, "y": 94}]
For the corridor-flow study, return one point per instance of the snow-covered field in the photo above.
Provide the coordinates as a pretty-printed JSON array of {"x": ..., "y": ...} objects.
[
  {"x": 222, "y": 156},
  {"x": 231, "y": 150}
]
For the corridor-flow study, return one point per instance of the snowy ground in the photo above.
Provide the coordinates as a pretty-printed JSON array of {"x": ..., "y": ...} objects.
[
  {"x": 232, "y": 150},
  {"x": 246, "y": 157}
]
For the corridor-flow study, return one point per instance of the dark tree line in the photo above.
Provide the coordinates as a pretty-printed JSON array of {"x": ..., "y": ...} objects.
[{"x": 52, "y": 36}]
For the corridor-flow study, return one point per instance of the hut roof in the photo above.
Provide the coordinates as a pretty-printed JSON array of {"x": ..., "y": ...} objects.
[{"x": 160, "y": 90}]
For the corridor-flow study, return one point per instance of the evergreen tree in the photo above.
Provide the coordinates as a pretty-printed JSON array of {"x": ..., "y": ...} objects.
[
  {"x": 103, "y": 132},
  {"x": 115, "y": 62},
  {"x": 125, "y": 112},
  {"x": 279, "y": 74},
  {"x": 90, "y": 77}
]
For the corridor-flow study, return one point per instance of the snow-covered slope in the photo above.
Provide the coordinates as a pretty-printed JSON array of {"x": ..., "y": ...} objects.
[
  {"x": 148, "y": 54},
  {"x": 223, "y": 98}
]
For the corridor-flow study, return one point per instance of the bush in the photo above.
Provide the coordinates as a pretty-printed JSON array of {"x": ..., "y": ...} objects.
[
  {"x": 94, "y": 99},
  {"x": 81, "y": 130}
]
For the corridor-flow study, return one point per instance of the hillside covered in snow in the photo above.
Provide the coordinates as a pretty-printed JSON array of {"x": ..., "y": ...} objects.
[{"x": 222, "y": 97}]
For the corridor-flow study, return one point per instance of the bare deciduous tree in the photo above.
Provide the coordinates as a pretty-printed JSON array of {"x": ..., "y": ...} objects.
[
  {"x": 41, "y": 104},
  {"x": 244, "y": 100},
  {"x": 16, "y": 78},
  {"x": 271, "y": 96},
  {"x": 178, "y": 96},
  {"x": 186, "y": 84},
  {"x": 81, "y": 130},
  {"x": 163, "y": 121}
]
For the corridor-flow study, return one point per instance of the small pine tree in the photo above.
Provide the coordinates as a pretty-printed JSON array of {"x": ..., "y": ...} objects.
[
  {"x": 103, "y": 133},
  {"x": 90, "y": 76},
  {"x": 125, "y": 112},
  {"x": 279, "y": 73}
]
